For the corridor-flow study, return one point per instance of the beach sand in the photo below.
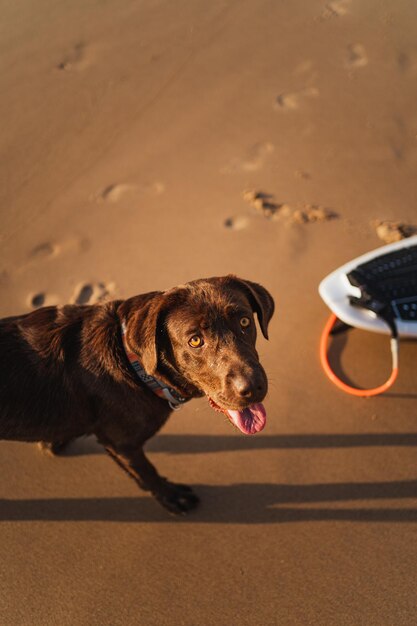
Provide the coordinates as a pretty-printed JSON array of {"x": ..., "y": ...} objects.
[{"x": 137, "y": 140}]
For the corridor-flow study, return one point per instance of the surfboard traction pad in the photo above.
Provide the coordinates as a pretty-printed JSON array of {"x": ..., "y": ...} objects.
[{"x": 378, "y": 284}]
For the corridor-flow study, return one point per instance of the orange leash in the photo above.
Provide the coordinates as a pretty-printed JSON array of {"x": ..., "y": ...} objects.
[{"x": 363, "y": 393}]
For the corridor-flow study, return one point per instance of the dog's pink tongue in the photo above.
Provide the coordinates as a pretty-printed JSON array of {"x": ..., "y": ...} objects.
[{"x": 251, "y": 420}]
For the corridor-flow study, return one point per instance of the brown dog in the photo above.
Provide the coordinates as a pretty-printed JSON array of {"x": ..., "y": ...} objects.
[{"x": 117, "y": 370}]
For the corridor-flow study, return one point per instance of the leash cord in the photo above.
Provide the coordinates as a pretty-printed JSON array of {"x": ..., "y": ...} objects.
[{"x": 363, "y": 393}]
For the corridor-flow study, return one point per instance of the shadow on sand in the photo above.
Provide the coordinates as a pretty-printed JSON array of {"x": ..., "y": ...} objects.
[
  {"x": 232, "y": 504},
  {"x": 240, "y": 503},
  {"x": 200, "y": 444}
]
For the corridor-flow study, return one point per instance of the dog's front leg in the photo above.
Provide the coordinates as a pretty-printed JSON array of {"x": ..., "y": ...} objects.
[{"x": 178, "y": 499}]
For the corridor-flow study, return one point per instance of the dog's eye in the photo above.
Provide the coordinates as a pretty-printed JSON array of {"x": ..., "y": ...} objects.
[
  {"x": 196, "y": 341},
  {"x": 244, "y": 322}
]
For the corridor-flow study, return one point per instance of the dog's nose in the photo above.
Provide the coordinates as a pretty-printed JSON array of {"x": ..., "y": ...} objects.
[
  {"x": 242, "y": 387},
  {"x": 245, "y": 387}
]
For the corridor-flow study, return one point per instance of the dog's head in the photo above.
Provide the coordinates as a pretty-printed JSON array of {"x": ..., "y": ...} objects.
[{"x": 200, "y": 338}]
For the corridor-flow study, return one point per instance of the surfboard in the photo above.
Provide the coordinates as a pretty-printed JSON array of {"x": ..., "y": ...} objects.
[{"x": 388, "y": 275}]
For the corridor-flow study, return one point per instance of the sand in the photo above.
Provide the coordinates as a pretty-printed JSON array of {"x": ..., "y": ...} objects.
[{"x": 138, "y": 138}]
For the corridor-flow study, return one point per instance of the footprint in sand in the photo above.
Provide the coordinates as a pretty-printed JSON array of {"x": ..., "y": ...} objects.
[
  {"x": 119, "y": 191},
  {"x": 336, "y": 8},
  {"x": 263, "y": 202},
  {"x": 77, "y": 58},
  {"x": 40, "y": 299},
  {"x": 265, "y": 205},
  {"x": 114, "y": 193},
  {"x": 285, "y": 213},
  {"x": 48, "y": 250},
  {"x": 40, "y": 253},
  {"x": 43, "y": 251},
  {"x": 356, "y": 55},
  {"x": 407, "y": 61},
  {"x": 312, "y": 214},
  {"x": 292, "y": 100},
  {"x": 91, "y": 293},
  {"x": 236, "y": 222},
  {"x": 253, "y": 161},
  {"x": 37, "y": 300},
  {"x": 389, "y": 232}
]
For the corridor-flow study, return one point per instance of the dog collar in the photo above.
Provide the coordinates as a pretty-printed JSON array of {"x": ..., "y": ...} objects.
[{"x": 175, "y": 400}]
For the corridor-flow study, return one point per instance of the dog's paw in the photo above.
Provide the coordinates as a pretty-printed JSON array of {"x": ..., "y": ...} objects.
[{"x": 177, "y": 499}]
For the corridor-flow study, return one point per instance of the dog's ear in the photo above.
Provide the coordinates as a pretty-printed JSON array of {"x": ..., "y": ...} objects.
[
  {"x": 142, "y": 317},
  {"x": 260, "y": 300}
]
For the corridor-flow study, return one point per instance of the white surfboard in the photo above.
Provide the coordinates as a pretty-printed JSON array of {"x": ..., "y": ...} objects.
[{"x": 336, "y": 288}]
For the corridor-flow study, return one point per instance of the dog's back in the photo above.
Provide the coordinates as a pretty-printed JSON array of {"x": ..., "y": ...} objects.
[{"x": 37, "y": 350}]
